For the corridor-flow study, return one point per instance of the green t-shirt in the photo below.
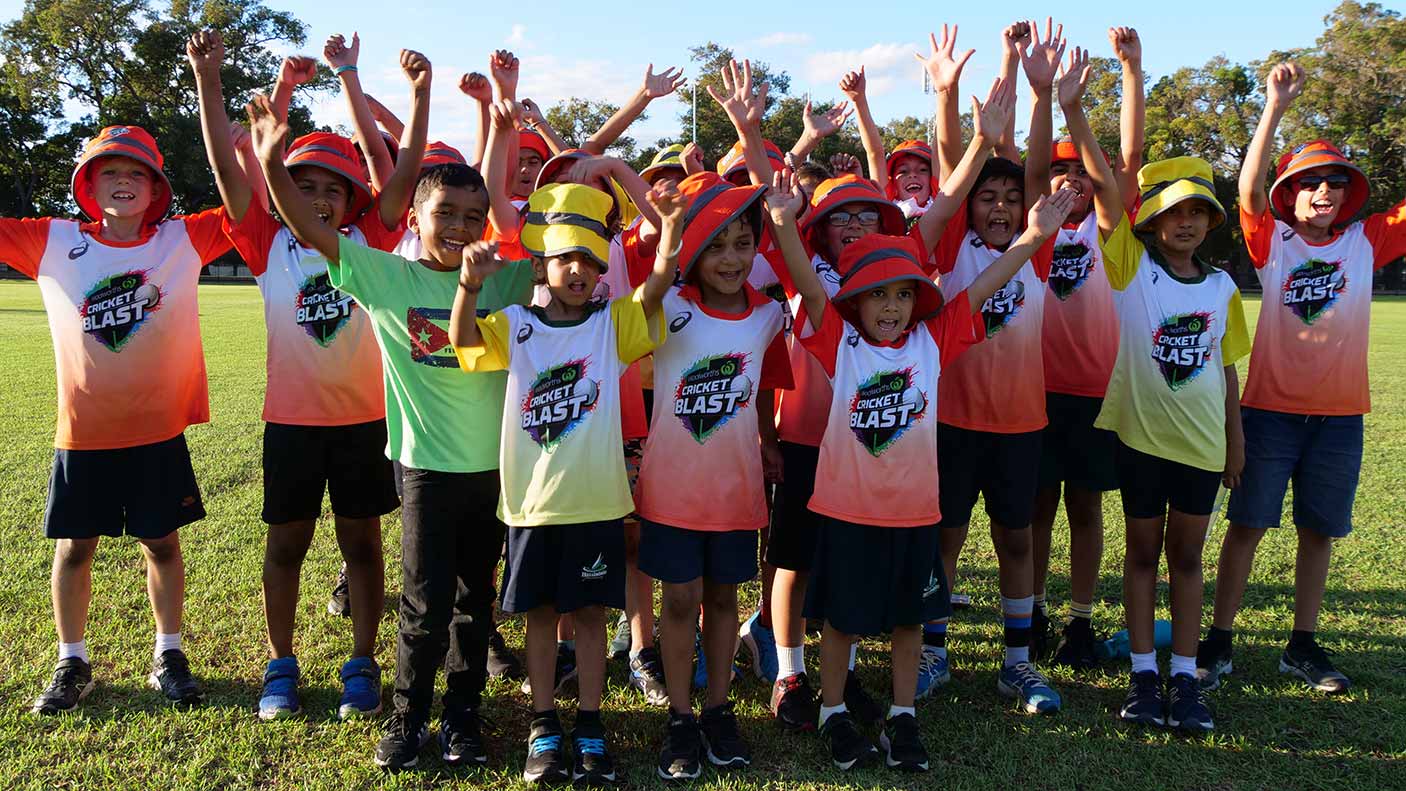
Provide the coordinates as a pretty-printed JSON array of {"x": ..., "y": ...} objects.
[{"x": 437, "y": 417}]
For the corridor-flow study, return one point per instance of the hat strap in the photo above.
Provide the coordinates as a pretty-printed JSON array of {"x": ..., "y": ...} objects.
[
  {"x": 568, "y": 218},
  {"x": 1162, "y": 185}
]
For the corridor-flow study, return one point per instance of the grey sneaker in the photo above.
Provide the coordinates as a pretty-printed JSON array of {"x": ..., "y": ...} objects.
[{"x": 1311, "y": 665}]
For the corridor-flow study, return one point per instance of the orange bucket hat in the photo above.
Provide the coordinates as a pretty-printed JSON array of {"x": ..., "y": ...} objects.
[
  {"x": 1316, "y": 154},
  {"x": 335, "y": 154},
  {"x": 533, "y": 142},
  {"x": 438, "y": 153},
  {"x": 909, "y": 148},
  {"x": 832, "y": 193},
  {"x": 713, "y": 203},
  {"x": 734, "y": 162},
  {"x": 132, "y": 142},
  {"x": 878, "y": 259}
]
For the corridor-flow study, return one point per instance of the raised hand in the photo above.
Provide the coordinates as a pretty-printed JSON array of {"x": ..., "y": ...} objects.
[
  {"x": 1041, "y": 62},
  {"x": 593, "y": 171},
  {"x": 1074, "y": 79},
  {"x": 532, "y": 113},
  {"x": 479, "y": 261},
  {"x": 785, "y": 200},
  {"x": 503, "y": 67},
  {"x": 1015, "y": 38},
  {"x": 337, "y": 52},
  {"x": 1126, "y": 45},
  {"x": 663, "y": 83},
  {"x": 854, "y": 85},
  {"x": 417, "y": 69},
  {"x": 1284, "y": 84},
  {"x": 505, "y": 114},
  {"x": 692, "y": 158},
  {"x": 944, "y": 69},
  {"x": 828, "y": 122},
  {"x": 205, "y": 50},
  {"x": 297, "y": 70},
  {"x": 842, "y": 163},
  {"x": 266, "y": 129},
  {"x": 736, "y": 98},
  {"x": 476, "y": 87},
  {"x": 668, "y": 202},
  {"x": 991, "y": 116},
  {"x": 239, "y": 137},
  {"x": 1049, "y": 213}
]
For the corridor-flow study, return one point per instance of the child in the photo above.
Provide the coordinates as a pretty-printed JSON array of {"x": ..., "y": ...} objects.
[
  {"x": 120, "y": 292},
  {"x": 1178, "y": 430},
  {"x": 701, "y": 491},
  {"x": 884, "y": 340},
  {"x": 324, "y": 408},
  {"x": 1307, "y": 389},
  {"x": 911, "y": 183},
  {"x": 564, "y": 361}
]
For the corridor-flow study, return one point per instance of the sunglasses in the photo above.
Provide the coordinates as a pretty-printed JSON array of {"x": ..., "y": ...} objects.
[
  {"x": 1336, "y": 181},
  {"x": 840, "y": 219}
]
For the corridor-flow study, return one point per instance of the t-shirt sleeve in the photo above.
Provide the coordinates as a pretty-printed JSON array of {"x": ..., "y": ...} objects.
[
  {"x": 929, "y": 261},
  {"x": 824, "y": 343},
  {"x": 635, "y": 333},
  {"x": 493, "y": 355},
  {"x": 1387, "y": 233},
  {"x": 360, "y": 269},
  {"x": 509, "y": 241},
  {"x": 1236, "y": 343},
  {"x": 22, "y": 243},
  {"x": 776, "y": 365},
  {"x": 1043, "y": 259},
  {"x": 639, "y": 255},
  {"x": 777, "y": 260},
  {"x": 377, "y": 235},
  {"x": 1259, "y": 234},
  {"x": 956, "y": 328},
  {"x": 207, "y": 233},
  {"x": 1122, "y": 254},
  {"x": 949, "y": 244},
  {"x": 253, "y": 236}
]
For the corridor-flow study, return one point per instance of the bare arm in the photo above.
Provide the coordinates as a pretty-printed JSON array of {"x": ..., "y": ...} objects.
[
  {"x": 1014, "y": 39},
  {"x": 1108, "y": 200},
  {"x": 296, "y": 70},
  {"x": 342, "y": 58},
  {"x": 395, "y": 198},
  {"x": 249, "y": 163},
  {"x": 990, "y": 119},
  {"x": 945, "y": 72},
  {"x": 502, "y": 132},
  {"x": 537, "y": 122},
  {"x": 479, "y": 261},
  {"x": 745, "y": 110},
  {"x": 669, "y": 206},
  {"x": 816, "y": 129},
  {"x": 654, "y": 87},
  {"x": 476, "y": 87},
  {"x": 1132, "y": 115},
  {"x": 1284, "y": 84},
  {"x": 1234, "y": 430},
  {"x": 597, "y": 169},
  {"x": 1041, "y": 64},
  {"x": 269, "y": 133},
  {"x": 783, "y": 201},
  {"x": 206, "y": 51},
  {"x": 387, "y": 120},
  {"x": 1043, "y": 222},
  {"x": 855, "y": 86}
]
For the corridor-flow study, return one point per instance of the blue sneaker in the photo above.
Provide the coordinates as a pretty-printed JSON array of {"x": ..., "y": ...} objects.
[
  {"x": 933, "y": 671},
  {"x": 700, "y": 673},
  {"x": 1030, "y": 689},
  {"x": 761, "y": 644},
  {"x": 361, "y": 688},
  {"x": 279, "y": 698}
]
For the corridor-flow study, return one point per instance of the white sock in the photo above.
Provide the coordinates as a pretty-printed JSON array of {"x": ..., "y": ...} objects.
[
  {"x": 826, "y": 711},
  {"x": 167, "y": 642},
  {"x": 1148, "y": 661},
  {"x": 896, "y": 710},
  {"x": 78, "y": 649},
  {"x": 853, "y": 651},
  {"x": 1015, "y": 654},
  {"x": 790, "y": 661},
  {"x": 1183, "y": 665}
]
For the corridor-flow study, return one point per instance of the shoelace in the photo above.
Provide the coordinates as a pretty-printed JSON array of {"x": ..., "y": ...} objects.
[
  {"x": 548, "y": 743},
  {"x": 928, "y": 662},
  {"x": 1316, "y": 654},
  {"x": 402, "y": 726},
  {"x": 589, "y": 746},
  {"x": 65, "y": 676},
  {"x": 175, "y": 661},
  {"x": 683, "y": 736},
  {"x": 723, "y": 722},
  {"x": 1027, "y": 676}
]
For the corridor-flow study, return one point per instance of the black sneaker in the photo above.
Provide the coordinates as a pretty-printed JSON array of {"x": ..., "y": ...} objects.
[
  {"x": 400, "y": 747},
  {"x": 857, "y": 700},
  {"x": 565, "y": 671},
  {"x": 647, "y": 676},
  {"x": 903, "y": 746},
  {"x": 1144, "y": 704},
  {"x": 681, "y": 758},
  {"x": 619, "y": 646},
  {"x": 593, "y": 765},
  {"x": 546, "y": 755},
  {"x": 1310, "y": 663},
  {"x": 1040, "y": 634},
  {"x": 502, "y": 662},
  {"x": 72, "y": 681},
  {"x": 1077, "y": 647},
  {"x": 1213, "y": 663},
  {"x": 793, "y": 703},
  {"x": 461, "y": 738},
  {"x": 170, "y": 675},
  {"x": 848, "y": 747},
  {"x": 1186, "y": 705},
  {"x": 723, "y": 740},
  {"x": 339, "y": 603}
]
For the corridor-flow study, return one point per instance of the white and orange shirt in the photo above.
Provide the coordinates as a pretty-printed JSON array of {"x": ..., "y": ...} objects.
[
  {"x": 324, "y": 368},
  {"x": 878, "y": 458},
  {"x": 124, "y": 323},
  {"x": 702, "y": 467},
  {"x": 1081, "y": 326},
  {"x": 1310, "y": 350},
  {"x": 1000, "y": 387}
]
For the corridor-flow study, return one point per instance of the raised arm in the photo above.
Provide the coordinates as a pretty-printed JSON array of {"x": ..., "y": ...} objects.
[
  {"x": 855, "y": 86},
  {"x": 206, "y": 51},
  {"x": 342, "y": 58},
  {"x": 783, "y": 202},
  {"x": 502, "y": 131},
  {"x": 1132, "y": 116},
  {"x": 249, "y": 164},
  {"x": 1042, "y": 222},
  {"x": 816, "y": 128},
  {"x": 296, "y": 70},
  {"x": 597, "y": 169},
  {"x": 269, "y": 132},
  {"x": 503, "y": 67},
  {"x": 536, "y": 121},
  {"x": 654, "y": 87},
  {"x": 394, "y": 200},
  {"x": 989, "y": 118},
  {"x": 476, "y": 87},
  {"x": 745, "y": 110},
  {"x": 669, "y": 205},
  {"x": 945, "y": 71},
  {"x": 1014, "y": 40},
  {"x": 1283, "y": 85},
  {"x": 479, "y": 262},
  {"x": 1041, "y": 65},
  {"x": 1108, "y": 200},
  {"x": 386, "y": 119}
]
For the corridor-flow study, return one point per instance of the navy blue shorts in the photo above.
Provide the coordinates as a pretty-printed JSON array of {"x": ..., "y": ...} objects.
[
  {"x": 347, "y": 462},
  {"x": 1072, "y": 451},
  {"x": 790, "y": 543},
  {"x": 868, "y": 580},
  {"x": 1003, "y": 468},
  {"x": 677, "y": 555},
  {"x": 568, "y": 566},
  {"x": 1151, "y": 484},
  {"x": 1321, "y": 454},
  {"x": 147, "y": 491}
]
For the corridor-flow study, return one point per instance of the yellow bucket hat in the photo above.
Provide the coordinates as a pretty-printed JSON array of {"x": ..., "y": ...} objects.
[
  {"x": 1162, "y": 185},
  {"x": 561, "y": 218},
  {"x": 670, "y": 157}
]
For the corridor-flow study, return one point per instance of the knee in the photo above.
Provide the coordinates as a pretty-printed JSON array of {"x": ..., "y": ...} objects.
[
  {"x": 286, "y": 547},
  {"x": 1247, "y": 538},
  {"x": 1311, "y": 540},
  {"x": 1012, "y": 543},
  {"x": 720, "y": 599},
  {"x": 361, "y": 547},
  {"x": 162, "y": 551},
  {"x": 680, "y": 602},
  {"x": 589, "y": 619},
  {"x": 1184, "y": 558},
  {"x": 74, "y": 553},
  {"x": 1143, "y": 559}
]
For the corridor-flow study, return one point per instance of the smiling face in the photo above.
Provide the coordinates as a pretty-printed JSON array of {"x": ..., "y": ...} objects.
[
  {"x": 996, "y": 206},
  {"x": 914, "y": 177},
  {"x": 1319, "y": 194},
  {"x": 570, "y": 277},
  {"x": 722, "y": 267},
  {"x": 1070, "y": 174},
  {"x": 847, "y": 224},
  {"x": 885, "y": 310},
  {"x": 1183, "y": 227},
  {"x": 123, "y": 187},
  {"x": 329, "y": 193},
  {"x": 448, "y": 219}
]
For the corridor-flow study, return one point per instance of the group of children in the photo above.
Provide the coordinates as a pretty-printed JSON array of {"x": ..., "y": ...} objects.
[{"x": 471, "y": 340}]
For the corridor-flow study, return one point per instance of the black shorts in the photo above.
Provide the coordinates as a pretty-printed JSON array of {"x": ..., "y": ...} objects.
[
  {"x": 791, "y": 541},
  {"x": 868, "y": 580},
  {"x": 568, "y": 566},
  {"x": 677, "y": 555},
  {"x": 1073, "y": 451},
  {"x": 348, "y": 462},
  {"x": 1150, "y": 484},
  {"x": 147, "y": 491},
  {"x": 1002, "y": 468}
]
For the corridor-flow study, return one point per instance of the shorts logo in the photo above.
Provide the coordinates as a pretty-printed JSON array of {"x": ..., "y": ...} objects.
[
  {"x": 429, "y": 337},
  {"x": 596, "y": 570},
  {"x": 884, "y": 407},
  {"x": 711, "y": 393},
  {"x": 321, "y": 310},
  {"x": 559, "y": 400},
  {"x": 1181, "y": 348},
  {"x": 932, "y": 587},
  {"x": 1070, "y": 269},
  {"x": 1312, "y": 288},
  {"x": 680, "y": 321},
  {"x": 117, "y": 306},
  {"x": 1003, "y": 306}
]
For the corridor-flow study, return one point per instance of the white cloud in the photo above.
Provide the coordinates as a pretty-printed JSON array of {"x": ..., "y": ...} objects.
[
  {"x": 886, "y": 66},
  {"x": 782, "y": 39},
  {"x": 516, "y": 38}
]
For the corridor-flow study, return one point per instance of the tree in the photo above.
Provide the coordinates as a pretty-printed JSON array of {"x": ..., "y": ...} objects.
[
  {"x": 577, "y": 119},
  {"x": 32, "y": 161},
  {"x": 715, "y": 132},
  {"x": 907, "y": 128}
]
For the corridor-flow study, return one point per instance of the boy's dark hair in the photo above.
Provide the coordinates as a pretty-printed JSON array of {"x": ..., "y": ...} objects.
[
  {"x": 998, "y": 168},
  {"x": 450, "y": 174},
  {"x": 813, "y": 170}
]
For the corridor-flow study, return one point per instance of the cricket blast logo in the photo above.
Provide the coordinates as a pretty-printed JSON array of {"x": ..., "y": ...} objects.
[
  {"x": 321, "y": 310},
  {"x": 560, "y": 398},
  {"x": 117, "y": 306},
  {"x": 884, "y": 407},
  {"x": 711, "y": 392},
  {"x": 1003, "y": 306},
  {"x": 1181, "y": 348},
  {"x": 1070, "y": 269},
  {"x": 1312, "y": 288}
]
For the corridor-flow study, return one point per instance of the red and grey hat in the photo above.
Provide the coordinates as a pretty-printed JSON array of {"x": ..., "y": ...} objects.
[
  {"x": 438, "y": 153},
  {"x": 132, "y": 142},
  {"x": 555, "y": 165},
  {"x": 533, "y": 142},
  {"x": 849, "y": 188},
  {"x": 876, "y": 260},
  {"x": 909, "y": 148},
  {"x": 335, "y": 154},
  {"x": 713, "y": 203},
  {"x": 1317, "y": 154},
  {"x": 735, "y": 163},
  {"x": 1065, "y": 151}
]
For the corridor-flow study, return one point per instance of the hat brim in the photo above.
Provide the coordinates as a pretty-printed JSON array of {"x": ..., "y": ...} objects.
[
  {"x": 908, "y": 152},
  {"x": 651, "y": 172},
  {"x": 548, "y": 241},
  {"x": 891, "y": 219},
  {"x": 891, "y": 270},
  {"x": 1358, "y": 189},
  {"x": 361, "y": 194},
  {"x": 719, "y": 210},
  {"x": 1177, "y": 192},
  {"x": 81, "y": 184}
]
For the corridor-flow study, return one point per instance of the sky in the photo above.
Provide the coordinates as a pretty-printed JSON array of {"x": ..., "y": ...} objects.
[{"x": 567, "y": 51}]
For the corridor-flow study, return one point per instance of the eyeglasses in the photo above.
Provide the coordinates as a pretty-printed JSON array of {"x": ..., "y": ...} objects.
[
  {"x": 840, "y": 219},
  {"x": 1336, "y": 181}
]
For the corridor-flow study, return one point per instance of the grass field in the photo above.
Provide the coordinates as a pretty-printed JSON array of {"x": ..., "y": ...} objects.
[{"x": 1271, "y": 733}]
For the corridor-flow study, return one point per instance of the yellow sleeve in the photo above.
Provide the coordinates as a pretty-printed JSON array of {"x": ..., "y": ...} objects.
[
  {"x": 635, "y": 334},
  {"x": 1122, "y": 253},
  {"x": 1236, "y": 343},
  {"x": 493, "y": 354}
]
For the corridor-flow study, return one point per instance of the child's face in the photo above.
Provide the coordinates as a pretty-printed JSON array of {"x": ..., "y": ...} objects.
[
  {"x": 329, "y": 193},
  {"x": 722, "y": 267},
  {"x": 447, "y": 220},
  {"x": 1071, "y": 174},
  {"x": 847, "y": 224},
  {"x": 529, "y": 164},
  {"x": 914, "y": 179},
  {"x": 1182, "y": 228},
  {"x": 885, "y": 310},
  {"x": 1319, "y": 194},
  {"x": 571, "y": 277},
  {"x": 123, "y": 187},
  {"x": 996, "y": 208},
  {"x": 667, "y": 174}
]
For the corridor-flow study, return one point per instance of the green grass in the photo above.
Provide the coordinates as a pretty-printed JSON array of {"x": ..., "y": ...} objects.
[{"x": 1272, "y": 734}]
